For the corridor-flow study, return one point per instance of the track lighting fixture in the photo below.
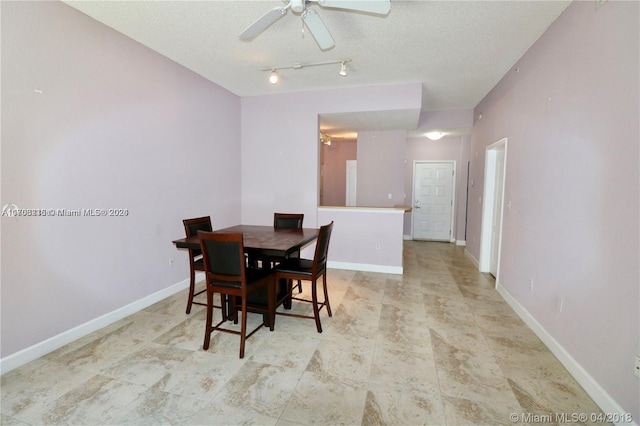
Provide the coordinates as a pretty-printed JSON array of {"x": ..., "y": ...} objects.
[
  {"x": 273, "y": 78},
  {"x": 343, "y": 69},
  {"x": 325, "y": 139}
]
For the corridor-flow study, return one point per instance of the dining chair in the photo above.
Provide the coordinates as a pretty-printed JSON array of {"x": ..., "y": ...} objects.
[
  {"x": 308, "y": 270},
  {"x": 227, "y": 274},
  {"x": 287, "y": 221},
  {"x": 268, "y": 258},
  {"x": 191, "y": 228}
]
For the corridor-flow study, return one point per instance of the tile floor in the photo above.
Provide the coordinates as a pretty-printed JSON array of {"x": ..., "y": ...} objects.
[{"x": 436, "y": 346}]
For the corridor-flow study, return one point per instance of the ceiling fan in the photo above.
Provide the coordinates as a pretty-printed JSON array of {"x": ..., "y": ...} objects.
[{"x": 312, "y": 19}]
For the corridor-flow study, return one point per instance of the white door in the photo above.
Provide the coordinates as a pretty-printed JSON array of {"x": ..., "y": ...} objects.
[
  {"x": 496, "y": 225},
  {"x": 352, "y": 173},
  {"x": 433, "y": 188}
]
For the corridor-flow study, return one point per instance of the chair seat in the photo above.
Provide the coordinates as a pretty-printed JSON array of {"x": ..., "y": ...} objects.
[
  {"x": 252, "y": 275},
  {"x": 198, "y": 265},
  {"x": 295, "y": 266}
]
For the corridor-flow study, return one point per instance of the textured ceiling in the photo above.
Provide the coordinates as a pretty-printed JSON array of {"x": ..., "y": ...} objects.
[{"x": 458, "y": 50}]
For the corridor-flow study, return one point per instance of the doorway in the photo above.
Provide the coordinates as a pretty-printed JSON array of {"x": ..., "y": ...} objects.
[
  {"x": 433, "y": 195},
  {"x": 493, "y": 207}
]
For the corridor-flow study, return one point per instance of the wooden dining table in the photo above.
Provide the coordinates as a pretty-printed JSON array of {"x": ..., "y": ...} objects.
[
  {"x": 261, "y": 240},
  {"x": 283, "y": 242}
]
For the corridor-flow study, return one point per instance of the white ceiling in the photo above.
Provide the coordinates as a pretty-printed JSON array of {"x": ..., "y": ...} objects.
[{"x": 458, "y": 50}]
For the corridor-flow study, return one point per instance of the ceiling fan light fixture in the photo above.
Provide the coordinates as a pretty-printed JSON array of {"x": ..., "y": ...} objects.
[
  {"x": 343, "y": 69},
  {"x": 434, "y": 136},
  {"x": 273, "y": 77}
]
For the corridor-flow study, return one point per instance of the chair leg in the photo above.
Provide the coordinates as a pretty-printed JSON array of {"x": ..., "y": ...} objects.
[
  {"x": 207, "y": 330},
  {"x": 243, "y": 325},
  {"x": 287, "y": 301},
  {"x": 271, "y": 303},
  {"x": 316, "y": 311},
  {"x": 299, "y": 286},
  {"x": 326, "y": 293},
  {"x": 192, "y": 284},
  {"x": 224, "y": 305},
  {"x": 233, "y": 309}
]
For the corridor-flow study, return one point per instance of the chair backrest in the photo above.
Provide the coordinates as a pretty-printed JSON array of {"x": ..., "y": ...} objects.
[
  {"x": 192, "y": 226},
  {"x": 288, "y": 220},
  {"x": 223, "y": 255},
  {"x": 322, "y": 247}
]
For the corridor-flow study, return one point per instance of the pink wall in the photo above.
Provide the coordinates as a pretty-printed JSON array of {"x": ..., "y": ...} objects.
[
  {"x": 334, "y": 166},
  {"x": 385, "y": 165},
  {"x": 443, "y": 120},
  {"x": 570, "y": 111},
  {"x": 116, "y": 126},
  {"x": 378, "y": 159},
  {"x": 280, "y": 149},
  {"x": 365, "y": 239},
  {"x": 380, "y": 164}
]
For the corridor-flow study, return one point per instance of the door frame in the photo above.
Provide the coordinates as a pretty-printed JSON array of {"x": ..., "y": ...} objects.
[
  {"x": 488, "y": 206},
  {"x": 351, "y": 197},
  {"x": 453, "y": 193}
]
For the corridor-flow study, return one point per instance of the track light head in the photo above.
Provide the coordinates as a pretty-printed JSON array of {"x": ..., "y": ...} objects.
[
  {"x": 273, "y": 77},
  {"x": 343, "y": 69}
]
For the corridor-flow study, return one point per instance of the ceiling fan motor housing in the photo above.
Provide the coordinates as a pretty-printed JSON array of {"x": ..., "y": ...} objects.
[{"x": 297, "y": 5}]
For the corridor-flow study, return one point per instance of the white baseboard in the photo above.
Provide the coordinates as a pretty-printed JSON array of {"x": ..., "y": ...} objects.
[
  {"x": 31, "y": 353},
  {"x": 407, "y": 237},
  {"x": 600, "y": 396},
  {"x": 366, "y": 267},
  {"x": 461, "y": 243},
  {"x": 472, "y": 259}
]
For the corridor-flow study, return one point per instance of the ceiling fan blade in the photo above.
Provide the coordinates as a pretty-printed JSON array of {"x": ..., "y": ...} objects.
[
  {"x": 381, "y": 7},
  {"x": 317, "y": 29},
  {"x": 262, "y": 23}
]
